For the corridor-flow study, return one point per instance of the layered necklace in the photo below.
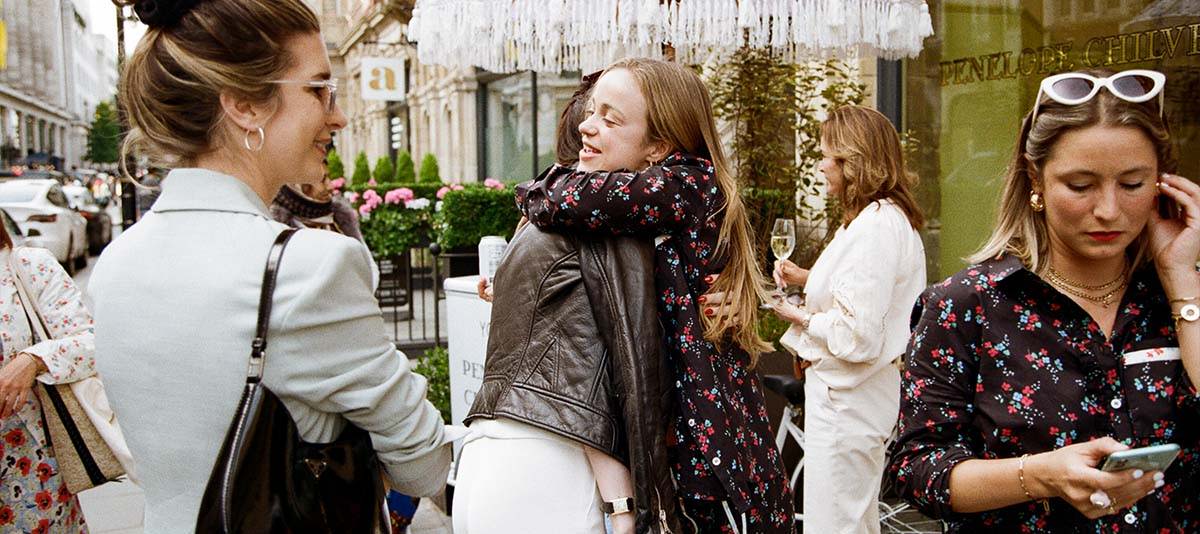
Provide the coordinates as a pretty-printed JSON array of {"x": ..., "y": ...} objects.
[{"x": 1102, "y": 294}]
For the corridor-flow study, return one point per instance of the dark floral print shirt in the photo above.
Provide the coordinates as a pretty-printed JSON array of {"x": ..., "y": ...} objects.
[
  {"x": 721, "y": 445},
  {"x": 1000, "y": 364}
]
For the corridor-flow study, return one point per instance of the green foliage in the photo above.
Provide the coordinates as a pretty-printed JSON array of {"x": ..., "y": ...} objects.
[
  {"x": 435, "y": 367},
  {"x": 384, "y": 170},
  {"x": 775, "y": 109},
  {"x": 392, "y": 229},
  {"x": 429, "y": 170},
  {"x": 405, "y": 169},
  {"x": 333, "y": 163},
  {"x": 103, "y": 136},
  {"x": 476, "y": 211},
  {"x": 362, "y": 170},
  {"x": 771, "y": 328}
]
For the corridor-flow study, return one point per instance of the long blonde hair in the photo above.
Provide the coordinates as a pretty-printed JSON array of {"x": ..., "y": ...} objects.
[
  {"x": 1021, "y": 231},
  {"x": 868, "y": 148},
  {"x": 680, "y": 114}
]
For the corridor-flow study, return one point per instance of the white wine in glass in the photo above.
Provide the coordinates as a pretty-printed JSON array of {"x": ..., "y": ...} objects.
[{"x": 783, "y": 238}]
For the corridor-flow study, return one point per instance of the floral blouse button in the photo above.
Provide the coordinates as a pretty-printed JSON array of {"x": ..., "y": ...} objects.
[
  {"x": 1130, "y": 518},
  {"x": 716, "y": 461},
  {"x": 1115, "y": 403}
]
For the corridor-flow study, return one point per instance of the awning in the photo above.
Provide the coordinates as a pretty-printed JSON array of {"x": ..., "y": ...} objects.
[{"x": 586, "y": 35}]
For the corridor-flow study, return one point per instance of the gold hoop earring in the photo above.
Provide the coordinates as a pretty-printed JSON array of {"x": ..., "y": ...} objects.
[
  {"x": 262, "y": 140},
  {"x": 1036, "y": 202}
]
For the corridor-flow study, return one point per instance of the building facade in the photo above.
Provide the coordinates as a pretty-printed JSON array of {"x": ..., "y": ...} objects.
[
  {"x": 478, "y": 124},
  {"x": 56, "y": 72}
]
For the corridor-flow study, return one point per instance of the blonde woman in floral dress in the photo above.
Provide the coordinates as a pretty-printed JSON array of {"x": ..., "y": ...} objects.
[{"x": 33, "y": 497}]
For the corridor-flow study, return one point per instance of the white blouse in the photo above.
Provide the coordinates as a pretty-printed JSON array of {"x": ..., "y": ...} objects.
[{"x": 860, "y": 295}]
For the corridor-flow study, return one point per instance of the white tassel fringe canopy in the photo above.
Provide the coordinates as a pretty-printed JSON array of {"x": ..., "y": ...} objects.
[{"x": 585, "y": 35}]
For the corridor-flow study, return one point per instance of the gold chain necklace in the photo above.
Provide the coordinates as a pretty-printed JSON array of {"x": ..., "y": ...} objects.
[
  {"x": 1054, "y": 274},
  {"x": 1082, "y": 290},
  {"x": 1105, "y": 300}
]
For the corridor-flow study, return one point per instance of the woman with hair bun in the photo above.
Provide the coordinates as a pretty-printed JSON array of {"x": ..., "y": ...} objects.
[{"x": 237, "y": 97}]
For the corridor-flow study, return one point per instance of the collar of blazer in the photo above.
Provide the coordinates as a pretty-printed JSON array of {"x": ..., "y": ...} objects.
[{"x": 205, "y": 190}]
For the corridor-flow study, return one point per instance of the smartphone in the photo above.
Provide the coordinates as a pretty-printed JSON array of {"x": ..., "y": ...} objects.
[
  {"x": 1153, "y": 458},
  {"x": 1167, "y": 207}
]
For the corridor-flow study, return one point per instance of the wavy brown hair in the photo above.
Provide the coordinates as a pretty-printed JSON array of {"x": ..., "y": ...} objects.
[
  {"x": 171, "y": 86},
  {"x": 1022, "y": 232},
  {"x": 680, "y": 114},
  {"x": 868, "y": 148}
]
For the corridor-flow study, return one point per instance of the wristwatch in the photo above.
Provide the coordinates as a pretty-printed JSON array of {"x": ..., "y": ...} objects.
[
  {"x": 1189, "y": 313},
  {"x": 617, "y": 506}
]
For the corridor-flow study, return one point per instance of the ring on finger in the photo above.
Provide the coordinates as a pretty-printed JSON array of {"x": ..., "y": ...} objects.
[
  {"x": 1100, "y": 499},
  {"x": 1111, "y": 509}
]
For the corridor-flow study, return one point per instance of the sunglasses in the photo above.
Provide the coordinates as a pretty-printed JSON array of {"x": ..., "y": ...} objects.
[
  {"x": 327, "y": 90},
  {"x": 1072, "y": 88}
]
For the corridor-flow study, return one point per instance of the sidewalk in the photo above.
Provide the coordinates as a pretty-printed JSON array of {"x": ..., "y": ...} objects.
[{"x": 117, "y": 508}]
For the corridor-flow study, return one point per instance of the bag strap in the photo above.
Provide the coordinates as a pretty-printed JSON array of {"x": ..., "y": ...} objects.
[
  {"x": 258, "y": 347},
  {"x": 37, "y": 324}
]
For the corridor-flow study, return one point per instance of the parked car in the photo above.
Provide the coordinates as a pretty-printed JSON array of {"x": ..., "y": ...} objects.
[
  {"x": 44, "y": 214},
  {"x": 99, "y": 222},
  {"x": 14, "y": 231}
]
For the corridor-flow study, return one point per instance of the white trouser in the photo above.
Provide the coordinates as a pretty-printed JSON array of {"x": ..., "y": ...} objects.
[
  {"x": 515, "y": 478},
  {"x": 845, "y": 432}
]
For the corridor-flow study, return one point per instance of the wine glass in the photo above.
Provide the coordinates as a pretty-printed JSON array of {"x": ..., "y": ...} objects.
[{"x": 783, "y": 242}]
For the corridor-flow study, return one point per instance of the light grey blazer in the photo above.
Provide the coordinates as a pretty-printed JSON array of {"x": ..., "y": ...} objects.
[{"x": 176, "y": 297}]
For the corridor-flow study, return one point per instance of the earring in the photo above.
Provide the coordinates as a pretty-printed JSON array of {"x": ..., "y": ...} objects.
[
  {"x": 262, "y": 140},
  {"x": 1036, "y": 202}
]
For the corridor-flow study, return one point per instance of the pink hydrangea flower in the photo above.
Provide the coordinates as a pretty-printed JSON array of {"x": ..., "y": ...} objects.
[
  {"x": 441, "y": 192},
  {"x": 493, "y": 183},
  {"x": 397, "y": 196},
  {"x": 371, "y": 182},
  {"x": 352, "y": 197},
  {"x": 337, "y": 183}
]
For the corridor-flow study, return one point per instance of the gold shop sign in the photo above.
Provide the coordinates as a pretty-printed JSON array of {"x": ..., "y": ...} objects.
[{"x": 1102, "y": 51}]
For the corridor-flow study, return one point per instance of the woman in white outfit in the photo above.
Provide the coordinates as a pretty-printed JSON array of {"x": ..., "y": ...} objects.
[
  {"x": 854, "y": 323},
  {"x": 237, "y": 96}
]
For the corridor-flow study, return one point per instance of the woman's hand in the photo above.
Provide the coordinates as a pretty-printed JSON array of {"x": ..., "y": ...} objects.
[
  {"x": 484, "y": 289},
  {"x": 789, "y": 274},
  {"x": 1071, "y": 474},
  {"x": 791, "y": 313},
  {"x": 16, "y": 382},
  {"x": 714, "y": 302},
  {"x": 1175, "y": 243}
]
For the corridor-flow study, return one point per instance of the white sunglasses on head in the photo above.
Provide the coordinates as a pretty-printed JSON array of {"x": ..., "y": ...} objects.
[{"x": 1072, "y": 88}]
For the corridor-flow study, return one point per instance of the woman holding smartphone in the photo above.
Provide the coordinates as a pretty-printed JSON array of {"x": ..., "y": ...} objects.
[{"x": 1074, "y": 336}]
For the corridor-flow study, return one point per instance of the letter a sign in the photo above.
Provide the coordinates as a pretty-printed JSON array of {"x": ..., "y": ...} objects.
[{"x": 383, "y": 78}]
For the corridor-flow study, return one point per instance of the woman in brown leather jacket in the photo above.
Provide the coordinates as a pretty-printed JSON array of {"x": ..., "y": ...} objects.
[
  {"x": 605, "y": 359},
  {"x": 656, "y": 116}
]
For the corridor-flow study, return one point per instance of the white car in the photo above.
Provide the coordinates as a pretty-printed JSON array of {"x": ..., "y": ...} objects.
[{"x": 45, "y": 217}]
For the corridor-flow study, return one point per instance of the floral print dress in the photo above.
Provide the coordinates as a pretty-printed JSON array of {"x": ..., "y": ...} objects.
[
  {"x": 34, "y": 498},
  {"x": 1001, "y": 364},
  {"x": 721, "y": 446}
]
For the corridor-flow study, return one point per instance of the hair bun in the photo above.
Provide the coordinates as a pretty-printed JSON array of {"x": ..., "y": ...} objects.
[{"x": 162, "y": 13}]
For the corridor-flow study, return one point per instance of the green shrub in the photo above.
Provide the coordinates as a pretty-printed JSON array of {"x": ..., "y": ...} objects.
[
  {"x": 362, "y": 170},
  {"x": 392, "y": 229},
  {"x": 763, "y": 206},
  {"x": 771, "y": 328},
  {"x": 435, "y": 367},
  {"x": 475, "y": 211},
  {"x": 333, "y": 163},
  {"x": 405, "y": 170},
  {"x": 429, "y": 170},
  {"x": 384, "y": 170}
]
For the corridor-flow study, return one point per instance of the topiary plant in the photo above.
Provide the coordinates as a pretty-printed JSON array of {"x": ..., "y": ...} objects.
[
  {"x": 384, "y": 170},
  {"x": 333, "y": 163},
  {"x": 362, "y": 170},
  {"x": 405, "y": 169},
  {"x": 429, "y": 170}
]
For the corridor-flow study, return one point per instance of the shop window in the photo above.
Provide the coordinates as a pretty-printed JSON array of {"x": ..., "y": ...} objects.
[{"x": 965, "y": 96}]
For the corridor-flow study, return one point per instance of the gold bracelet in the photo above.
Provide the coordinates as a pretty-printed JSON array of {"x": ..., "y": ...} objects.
[
  {"x": 1021, "y": 479},
  {"x": 1188, "y": 299}
]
